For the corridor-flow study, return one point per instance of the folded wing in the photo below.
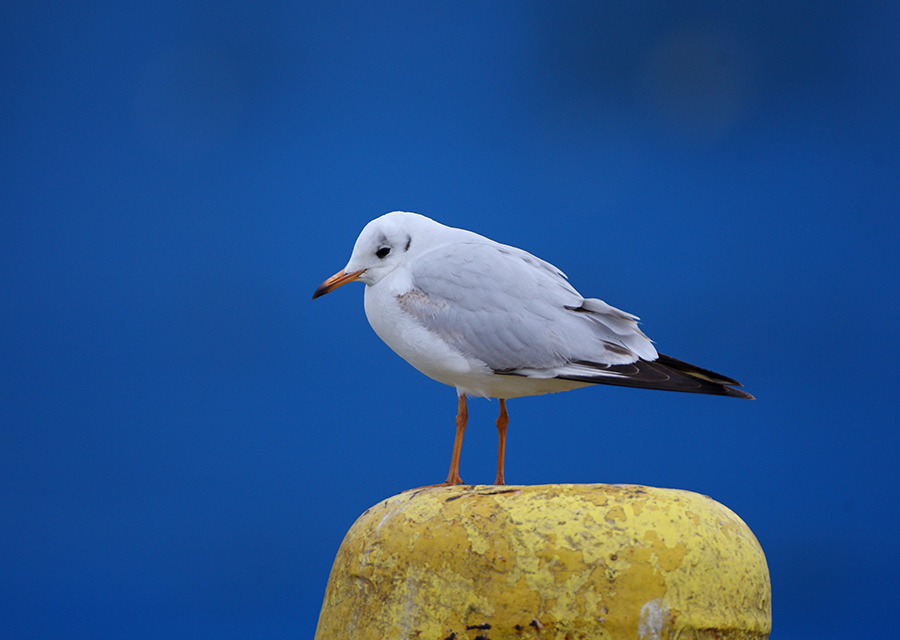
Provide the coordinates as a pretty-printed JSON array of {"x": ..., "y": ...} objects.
[{"x": 520, "y": 316}]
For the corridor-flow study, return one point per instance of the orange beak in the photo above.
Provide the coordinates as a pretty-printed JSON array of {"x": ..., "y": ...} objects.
[{"x": 335, "y": 281}]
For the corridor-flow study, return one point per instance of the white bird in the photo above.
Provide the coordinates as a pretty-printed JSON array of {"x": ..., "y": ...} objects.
[{"x": 494, "y": 321}]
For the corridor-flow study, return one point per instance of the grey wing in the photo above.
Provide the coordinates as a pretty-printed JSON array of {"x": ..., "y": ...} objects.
[{"x": 517, "y": 313}]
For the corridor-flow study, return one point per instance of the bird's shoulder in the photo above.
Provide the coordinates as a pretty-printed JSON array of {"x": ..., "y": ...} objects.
[{"x": 452, "y": 270}]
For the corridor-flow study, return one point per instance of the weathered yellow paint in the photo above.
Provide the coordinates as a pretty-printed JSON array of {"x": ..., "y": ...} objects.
[{"x": 575, "y": 562}]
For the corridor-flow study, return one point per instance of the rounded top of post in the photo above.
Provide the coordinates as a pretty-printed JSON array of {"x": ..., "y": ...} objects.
[{"x": 594, "y": 560}]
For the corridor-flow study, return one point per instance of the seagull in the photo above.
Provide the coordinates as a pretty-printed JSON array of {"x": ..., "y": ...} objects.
[{"x": 494, "y": 321}]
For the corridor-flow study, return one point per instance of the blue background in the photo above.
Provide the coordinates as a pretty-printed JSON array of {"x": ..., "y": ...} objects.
[{"x": 186, "y": 436}]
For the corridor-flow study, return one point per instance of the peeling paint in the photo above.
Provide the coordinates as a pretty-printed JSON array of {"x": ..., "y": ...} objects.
[
  {"x": 654, "y": 617},
  {"x": 551, "y": 561}
]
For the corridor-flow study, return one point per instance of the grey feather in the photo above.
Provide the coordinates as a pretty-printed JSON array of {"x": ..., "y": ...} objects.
[{"x": 505, "y": 323}]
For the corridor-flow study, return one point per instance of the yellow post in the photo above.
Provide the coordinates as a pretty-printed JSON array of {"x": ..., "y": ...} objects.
[{"x": 577, "y": 562}]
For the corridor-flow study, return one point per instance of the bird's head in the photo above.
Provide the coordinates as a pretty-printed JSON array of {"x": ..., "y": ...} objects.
[{"x": 383, "y": 245}]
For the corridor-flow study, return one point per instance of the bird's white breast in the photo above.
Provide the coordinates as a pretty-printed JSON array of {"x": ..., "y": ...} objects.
[{"x": 410, "y": 339}]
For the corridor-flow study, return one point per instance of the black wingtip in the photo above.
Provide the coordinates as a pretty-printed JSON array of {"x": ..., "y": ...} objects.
[
  {"x": 710, "y": 381},
  {"x": 666, "y": 374},
  {"x": 725, "y": 383},
  {"x": 695, "y": 371},
  {"x": 737, "y": 393}
]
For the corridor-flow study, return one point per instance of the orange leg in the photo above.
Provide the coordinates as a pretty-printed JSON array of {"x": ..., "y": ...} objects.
[
  {"x": 502, "y": 421},
  {"x": 462, "y": 415}
]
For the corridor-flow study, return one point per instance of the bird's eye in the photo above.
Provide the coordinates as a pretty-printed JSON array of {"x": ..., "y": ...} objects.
[{"x": 383, "y": 251}]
